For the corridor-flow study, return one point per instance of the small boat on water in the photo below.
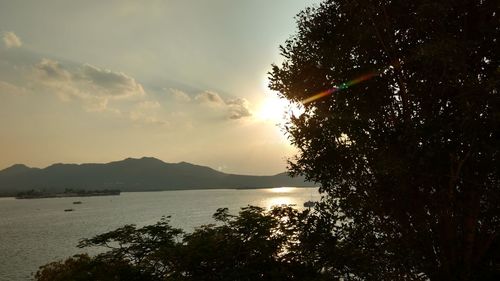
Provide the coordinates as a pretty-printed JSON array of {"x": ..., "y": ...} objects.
[
  {"x": 69, "y": 210},
  {"x": 77, "y": 202}
]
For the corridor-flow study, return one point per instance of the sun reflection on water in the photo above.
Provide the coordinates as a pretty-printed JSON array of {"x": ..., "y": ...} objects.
[
  {"x": 280, "y": 196},
  {"x": 278, "y": 201},
  {"x": 282, "y": 189},
  {"x": 287, "y": 196}
]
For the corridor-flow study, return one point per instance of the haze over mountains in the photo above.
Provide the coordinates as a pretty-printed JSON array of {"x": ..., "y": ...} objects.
[{"x": 144, "y": 174}]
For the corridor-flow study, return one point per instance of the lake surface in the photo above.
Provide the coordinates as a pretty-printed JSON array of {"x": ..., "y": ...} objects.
[{"x": 36, "y": 231}]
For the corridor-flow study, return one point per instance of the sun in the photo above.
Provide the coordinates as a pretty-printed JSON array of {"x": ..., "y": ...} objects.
[
  {"x": 272, "y": 109},
  {"x": 275, "y": 109}
]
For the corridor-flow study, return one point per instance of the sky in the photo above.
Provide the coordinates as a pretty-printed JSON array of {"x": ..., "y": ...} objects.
[{"x": 181, "y": 80}]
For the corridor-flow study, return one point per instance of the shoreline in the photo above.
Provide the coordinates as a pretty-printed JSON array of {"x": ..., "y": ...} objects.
[{"x": 174, "y": 189}]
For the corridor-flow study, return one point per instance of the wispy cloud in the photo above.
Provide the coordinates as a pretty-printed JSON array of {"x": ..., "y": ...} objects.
[
  {"x": 94, "y": 86},
  {"x": 149, "y": 104},
  {"x": 115, "y": 84},
  {"x": 11, "y": 40},
  {"x": 238, "y": 108},
  {"x": 210, "y": 98},
  {"x": 11, "y": 89},
  {"x": 52, "y": 71},
  {"x": 145, "y": 112},
  {"x": 179, "y": 95},
  {"x": 235, "y": 108}
]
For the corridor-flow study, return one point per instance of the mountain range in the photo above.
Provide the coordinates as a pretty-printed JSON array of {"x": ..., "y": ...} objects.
[{"x": 144, "y": 174}]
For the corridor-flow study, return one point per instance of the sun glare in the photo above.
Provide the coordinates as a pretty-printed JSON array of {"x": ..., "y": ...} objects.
[
  {"x": 273, "y": 109},
  {"x": 277, "y": 110},
  {"x": 282, "y": 189},
  {"x": 278, "y": 201}
]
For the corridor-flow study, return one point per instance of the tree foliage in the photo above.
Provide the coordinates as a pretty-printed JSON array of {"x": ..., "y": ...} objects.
[
  {"x": 405, "y": 137},
  {"x": 82, "y": 267},
  {"x": 254, "y": 245}
]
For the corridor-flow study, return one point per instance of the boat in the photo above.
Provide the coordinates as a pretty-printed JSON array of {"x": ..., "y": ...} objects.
[
  {"x": 77, "y": 202},
  {"x": 69, "y": 210}
]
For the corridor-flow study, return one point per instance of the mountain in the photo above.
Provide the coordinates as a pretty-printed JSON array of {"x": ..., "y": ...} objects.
[{"x": 144, "y": 174}]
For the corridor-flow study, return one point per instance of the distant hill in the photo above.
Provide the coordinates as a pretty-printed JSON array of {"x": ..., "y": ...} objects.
[{"x": 144, "y": 174}]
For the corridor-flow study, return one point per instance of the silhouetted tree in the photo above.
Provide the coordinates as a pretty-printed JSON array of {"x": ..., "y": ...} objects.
[
  {"x": 402, "y": 129},
  {"x": 254, "y": 245},
  {"x": 84, "y": 268}
]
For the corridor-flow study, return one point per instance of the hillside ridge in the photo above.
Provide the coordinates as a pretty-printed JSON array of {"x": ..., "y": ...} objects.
[{"x": 133, "y": 174}]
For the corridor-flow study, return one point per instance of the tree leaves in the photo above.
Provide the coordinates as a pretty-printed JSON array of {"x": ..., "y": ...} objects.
[
  {"x": 255, "y": 244},
  {"x": 420, "y": 167}
]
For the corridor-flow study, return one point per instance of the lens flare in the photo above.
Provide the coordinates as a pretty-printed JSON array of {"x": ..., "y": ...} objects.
[{"x": 343, "y": 86}]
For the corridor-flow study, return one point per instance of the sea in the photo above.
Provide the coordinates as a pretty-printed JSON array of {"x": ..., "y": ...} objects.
[{"x": 34, "y": 232}]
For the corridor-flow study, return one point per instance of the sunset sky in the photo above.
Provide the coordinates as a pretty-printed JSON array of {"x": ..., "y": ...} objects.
[{"x": 98, "y": 81}]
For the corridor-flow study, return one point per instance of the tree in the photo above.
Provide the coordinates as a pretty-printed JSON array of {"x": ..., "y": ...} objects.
[
  {"x": 402, "y": 130},
  {"x": 254, "y": 245},
  {"x": 83, "y": 268}
]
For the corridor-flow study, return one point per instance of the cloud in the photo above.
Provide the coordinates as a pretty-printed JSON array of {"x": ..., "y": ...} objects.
[
  {"x": 91, "y": 85},
  {"x": 235, "y": 108},
  {"x": 238, "y": 108},
  {"x": 179, "y": 95},
  {"x": 111, "y": 83},
  {"x": 149, "y": 104},
  {"x": 209, "y": 97},
  {"x": 97, "y": 104},
  {"x": 102, "y": 90},
  {"x": 144, "y": 112},
  {"x": 99, "y": 90},
  {"x": 11, "y": 40},
  {"x": 8, "y": 88},
  {"x": 52, "y": 71}
]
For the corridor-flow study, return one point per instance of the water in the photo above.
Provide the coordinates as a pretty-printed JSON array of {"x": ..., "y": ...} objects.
[{"x": 35, "y": 232}]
